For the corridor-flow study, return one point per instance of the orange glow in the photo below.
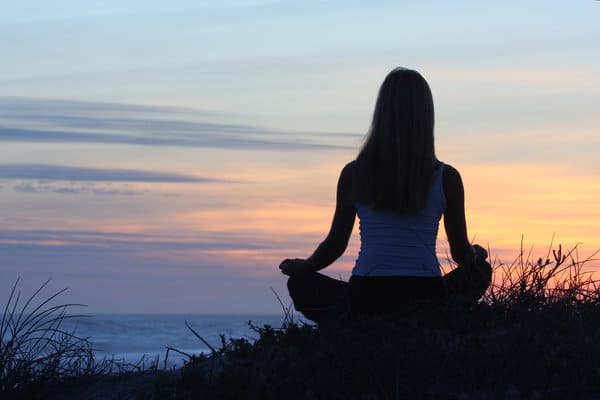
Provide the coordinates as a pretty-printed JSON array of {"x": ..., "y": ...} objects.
[
  {"x": 503, "y": 203},
  {"x": 275, "y": 219},
  {"x": 536, "y": 200},
  {"x": 290, "y": 211}
]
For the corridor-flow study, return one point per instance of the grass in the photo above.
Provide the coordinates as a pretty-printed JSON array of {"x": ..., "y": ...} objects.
[
  {"x": 534, "y": 335},
  {"x": 558, "y": 278},
  {"x": 36, "y": 351}
]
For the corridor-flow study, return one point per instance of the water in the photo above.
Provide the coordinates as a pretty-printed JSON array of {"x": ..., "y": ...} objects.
[{"x": 131, "y": 337}]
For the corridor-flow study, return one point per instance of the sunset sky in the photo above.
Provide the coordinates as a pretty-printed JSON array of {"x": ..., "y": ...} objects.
[{"x": 165, "y": 156}]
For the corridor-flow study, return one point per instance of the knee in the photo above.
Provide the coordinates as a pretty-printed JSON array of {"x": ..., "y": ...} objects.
[
  {"x": 485, "y": 271},
  {"x": 294, "y": 284},
  {"x": 299, "y": 286}
]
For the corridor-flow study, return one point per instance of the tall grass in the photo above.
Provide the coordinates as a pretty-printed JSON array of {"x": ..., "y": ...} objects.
[
  {"x": 36, "y": 349},
  {"x": 557, "y": 278}
]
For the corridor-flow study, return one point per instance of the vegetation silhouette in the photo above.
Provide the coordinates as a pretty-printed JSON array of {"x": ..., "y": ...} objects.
[{"x": 534, "y": 334}]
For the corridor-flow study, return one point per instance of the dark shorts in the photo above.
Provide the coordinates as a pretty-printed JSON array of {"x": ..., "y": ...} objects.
[{"x": 315, "y": 295}]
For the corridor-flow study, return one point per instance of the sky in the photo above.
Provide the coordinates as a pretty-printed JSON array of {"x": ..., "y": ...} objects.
[{"x": 164, "y": 157}]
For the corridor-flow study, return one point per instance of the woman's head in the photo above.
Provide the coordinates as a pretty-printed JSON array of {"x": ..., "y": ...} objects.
[{"x": 397, "y": 161}]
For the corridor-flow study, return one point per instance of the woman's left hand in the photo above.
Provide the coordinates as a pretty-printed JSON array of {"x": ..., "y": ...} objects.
[
  {"x": 480, "y": 253},
  {"x": 293, "y": 266}
]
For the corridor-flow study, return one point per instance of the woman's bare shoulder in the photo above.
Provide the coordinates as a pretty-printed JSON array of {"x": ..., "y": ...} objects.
[
  {"x": 451, "y": 175},
  {"x": 349, "y": 167},
  {"x": 452, "y": 183},
  {"x": 345, "y": 182},
  {"x": 347, "y": 173}
]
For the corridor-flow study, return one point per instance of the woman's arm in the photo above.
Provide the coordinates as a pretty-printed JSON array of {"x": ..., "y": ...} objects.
[
  {"x": 336, "y": 241},
  {"x": 455, "y": 221}
]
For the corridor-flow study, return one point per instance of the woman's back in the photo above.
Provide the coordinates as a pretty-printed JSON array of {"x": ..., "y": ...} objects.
[{"x": 401, "y": 244}]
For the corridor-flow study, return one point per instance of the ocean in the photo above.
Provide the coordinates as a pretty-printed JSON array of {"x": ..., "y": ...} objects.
[{"x": 133, "y": 337}]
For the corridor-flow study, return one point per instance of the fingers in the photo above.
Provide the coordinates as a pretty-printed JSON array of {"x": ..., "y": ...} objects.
[
  {"x": 480, "y": 252},
  {"x": 284, "y": 267},
  {"x": 291, "y": 266}
]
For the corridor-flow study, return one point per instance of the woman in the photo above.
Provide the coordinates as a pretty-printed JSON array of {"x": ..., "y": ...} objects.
[{"x": 399, "y": 190}]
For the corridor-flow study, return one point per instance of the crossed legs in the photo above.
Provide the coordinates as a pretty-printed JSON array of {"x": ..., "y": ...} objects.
[{"x": 316, "y": 295}]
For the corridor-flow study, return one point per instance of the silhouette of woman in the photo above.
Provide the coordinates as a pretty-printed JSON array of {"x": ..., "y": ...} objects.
[{"x": 400, "y": 190}]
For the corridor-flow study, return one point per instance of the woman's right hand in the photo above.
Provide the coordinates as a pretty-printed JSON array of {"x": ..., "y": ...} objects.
[{"x": 293, "y": 266}]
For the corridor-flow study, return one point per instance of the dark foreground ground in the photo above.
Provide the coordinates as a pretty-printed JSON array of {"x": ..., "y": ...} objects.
[
  {"x": 481, "y": 353},
  {"x": 535, "y": 335}
]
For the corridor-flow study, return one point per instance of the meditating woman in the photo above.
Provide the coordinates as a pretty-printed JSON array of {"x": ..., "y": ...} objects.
[{"x": 400, "y": 190}]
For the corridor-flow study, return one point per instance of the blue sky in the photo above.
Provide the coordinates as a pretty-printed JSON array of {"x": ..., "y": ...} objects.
[{"x": 185, "y": 147}]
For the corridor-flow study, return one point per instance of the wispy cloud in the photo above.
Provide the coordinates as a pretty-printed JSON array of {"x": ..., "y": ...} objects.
[
  {"x": 44, "y": 187},
  {"x": 58, "y": 121},
  {"x": 48, "y": 172},
  {"x": 16, "y": 105},
  {"x": 71, "y": 239}
]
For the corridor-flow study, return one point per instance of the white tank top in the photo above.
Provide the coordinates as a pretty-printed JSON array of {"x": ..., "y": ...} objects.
[{"x": 393, "y": 244}]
